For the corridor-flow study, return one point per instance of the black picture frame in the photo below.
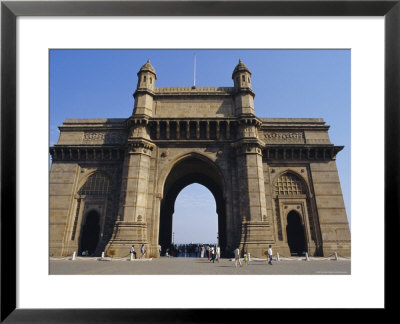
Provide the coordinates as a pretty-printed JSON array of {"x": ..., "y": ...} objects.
[{"x": 10, "y": 10}]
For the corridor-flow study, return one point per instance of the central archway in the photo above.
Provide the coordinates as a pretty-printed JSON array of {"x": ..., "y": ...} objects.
[
  {"x": 195, "y": 219},
  {"x": 192, "y": 169}
]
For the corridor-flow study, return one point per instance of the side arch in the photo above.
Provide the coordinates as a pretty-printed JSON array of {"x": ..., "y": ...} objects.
[
  {"x": 90, "y": 232},
  {"x": 292, "y": 194},
  {"x": 296, "y": 235},
  {"x": 93, "y": 195}
]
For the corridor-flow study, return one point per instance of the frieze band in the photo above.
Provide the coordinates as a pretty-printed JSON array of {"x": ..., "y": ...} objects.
[
  {"x": 103, "y": 137},
  {"x": 283, "y": 137}
]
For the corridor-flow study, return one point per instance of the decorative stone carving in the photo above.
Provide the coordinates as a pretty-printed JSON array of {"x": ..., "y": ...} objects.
[
  {"x": 289, "y": 184},
  {"x": 103, "y": 138},
  {"x": 165, "y": 153},
  {"x": 140, "y": 147},
  {"x": 284, "y": 137}
]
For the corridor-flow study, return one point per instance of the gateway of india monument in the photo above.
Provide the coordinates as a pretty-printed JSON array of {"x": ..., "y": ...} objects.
[{"x": 114, "y": 182}]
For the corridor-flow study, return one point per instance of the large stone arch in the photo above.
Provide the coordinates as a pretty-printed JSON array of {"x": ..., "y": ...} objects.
[
  {"x": 292, "y": 193},
  {"x": 186, "y": 170},
  {"x": 195, "y": 155},
  {"x": 90, "y": 198}
]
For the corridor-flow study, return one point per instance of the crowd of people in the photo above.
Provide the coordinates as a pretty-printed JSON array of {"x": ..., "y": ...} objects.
[{"x": 193, "y": 250}]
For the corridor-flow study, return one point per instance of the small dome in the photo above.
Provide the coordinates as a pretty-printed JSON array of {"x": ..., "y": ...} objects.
[
  {"x": 148, "y": 68},
  {"x": 240, "y": 67}
]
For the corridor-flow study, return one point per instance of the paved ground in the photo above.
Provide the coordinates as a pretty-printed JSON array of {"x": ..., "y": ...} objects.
[{"x": 197, "y": 266}]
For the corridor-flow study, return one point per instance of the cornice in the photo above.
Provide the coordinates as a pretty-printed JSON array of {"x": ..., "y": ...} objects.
[
  {"x": 300, "y": 152},
  {"x": 81, "y": 153},
  {"x": 192, "y": 91}
]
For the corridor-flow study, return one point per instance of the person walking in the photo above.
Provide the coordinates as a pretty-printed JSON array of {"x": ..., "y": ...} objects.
[
  {"x": 202, "y": 252},
  {"x": 208, "y": 252},
  {"x": 159, "y": 249},
  {"x": 218, "y": 250},
  {"x": 142, "y": 251},
  {"x": 132, "y": 251},
  {"x": 270, "y": 255},
  {"x": 246, "y": 260},
  {"x": 212, "y": 254},
  {"x": 237, "y": 257}
]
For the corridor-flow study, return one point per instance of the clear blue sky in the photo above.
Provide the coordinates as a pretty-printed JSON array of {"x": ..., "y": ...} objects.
[{"x": 287, "y": 83}]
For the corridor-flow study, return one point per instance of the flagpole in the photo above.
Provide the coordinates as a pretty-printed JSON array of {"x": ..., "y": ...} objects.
[{"x": 194, "y": 71}]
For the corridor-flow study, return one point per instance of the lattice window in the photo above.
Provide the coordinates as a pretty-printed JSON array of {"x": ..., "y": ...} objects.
[
  {"x": 289, "y": 184},
  {"x": 96, "y": 185}
]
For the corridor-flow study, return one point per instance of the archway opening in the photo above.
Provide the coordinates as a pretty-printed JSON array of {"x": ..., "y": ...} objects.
[
  {"x": 195, "y": 220},
  {"x": 295, "y": 234},
  {"x": 192, "y": 170},
  {"x": 90, "y": 233}
]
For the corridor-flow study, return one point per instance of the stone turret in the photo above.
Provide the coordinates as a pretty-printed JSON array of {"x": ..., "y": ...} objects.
[
  {"x": 147, "y": 77},
  {"x": 244, "y": 95},
  {"x": 145, "y": 90},
  {"x": 241, "y": 76}
]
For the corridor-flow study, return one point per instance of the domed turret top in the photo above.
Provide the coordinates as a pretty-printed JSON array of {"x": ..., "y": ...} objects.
[
  {"x": 240, "y": 67},
  {"x": 147, "y": 68}
]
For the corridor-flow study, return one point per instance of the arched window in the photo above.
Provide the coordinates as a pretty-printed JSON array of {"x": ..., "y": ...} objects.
[
  {"x": 289, "y": 184},
  {"x": 144, "y": 79},
  {"x": 97, "y": 185},
  {"x": 243, "y": 78},
  {"x": 151, "y": 80}
]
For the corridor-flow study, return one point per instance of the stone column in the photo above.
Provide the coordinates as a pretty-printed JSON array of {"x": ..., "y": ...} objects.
[
  {"x": 251, "y": 179},
  {"x": 138, "y": 168},
  {"x": 255, "y": 230},
  {"x": 158, "y": 130},
  {"x": 178, "y": 130},
  {"x": 197, "y": 129},
  {"x": 167, "y": 130},
  {"x": 187, "y": 129},
  {"x": 132, "y": 226}
]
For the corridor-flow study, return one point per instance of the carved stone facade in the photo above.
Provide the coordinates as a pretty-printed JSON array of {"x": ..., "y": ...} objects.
[{"x": 114, "y": 182}]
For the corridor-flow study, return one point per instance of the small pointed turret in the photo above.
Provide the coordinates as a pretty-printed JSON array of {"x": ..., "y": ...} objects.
[
  {"x": 147, "y": 76},
  {"x": 145, "y": 90},
  {"x": 241, "y": 76},
  {"x": 244, "y": 95}
]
